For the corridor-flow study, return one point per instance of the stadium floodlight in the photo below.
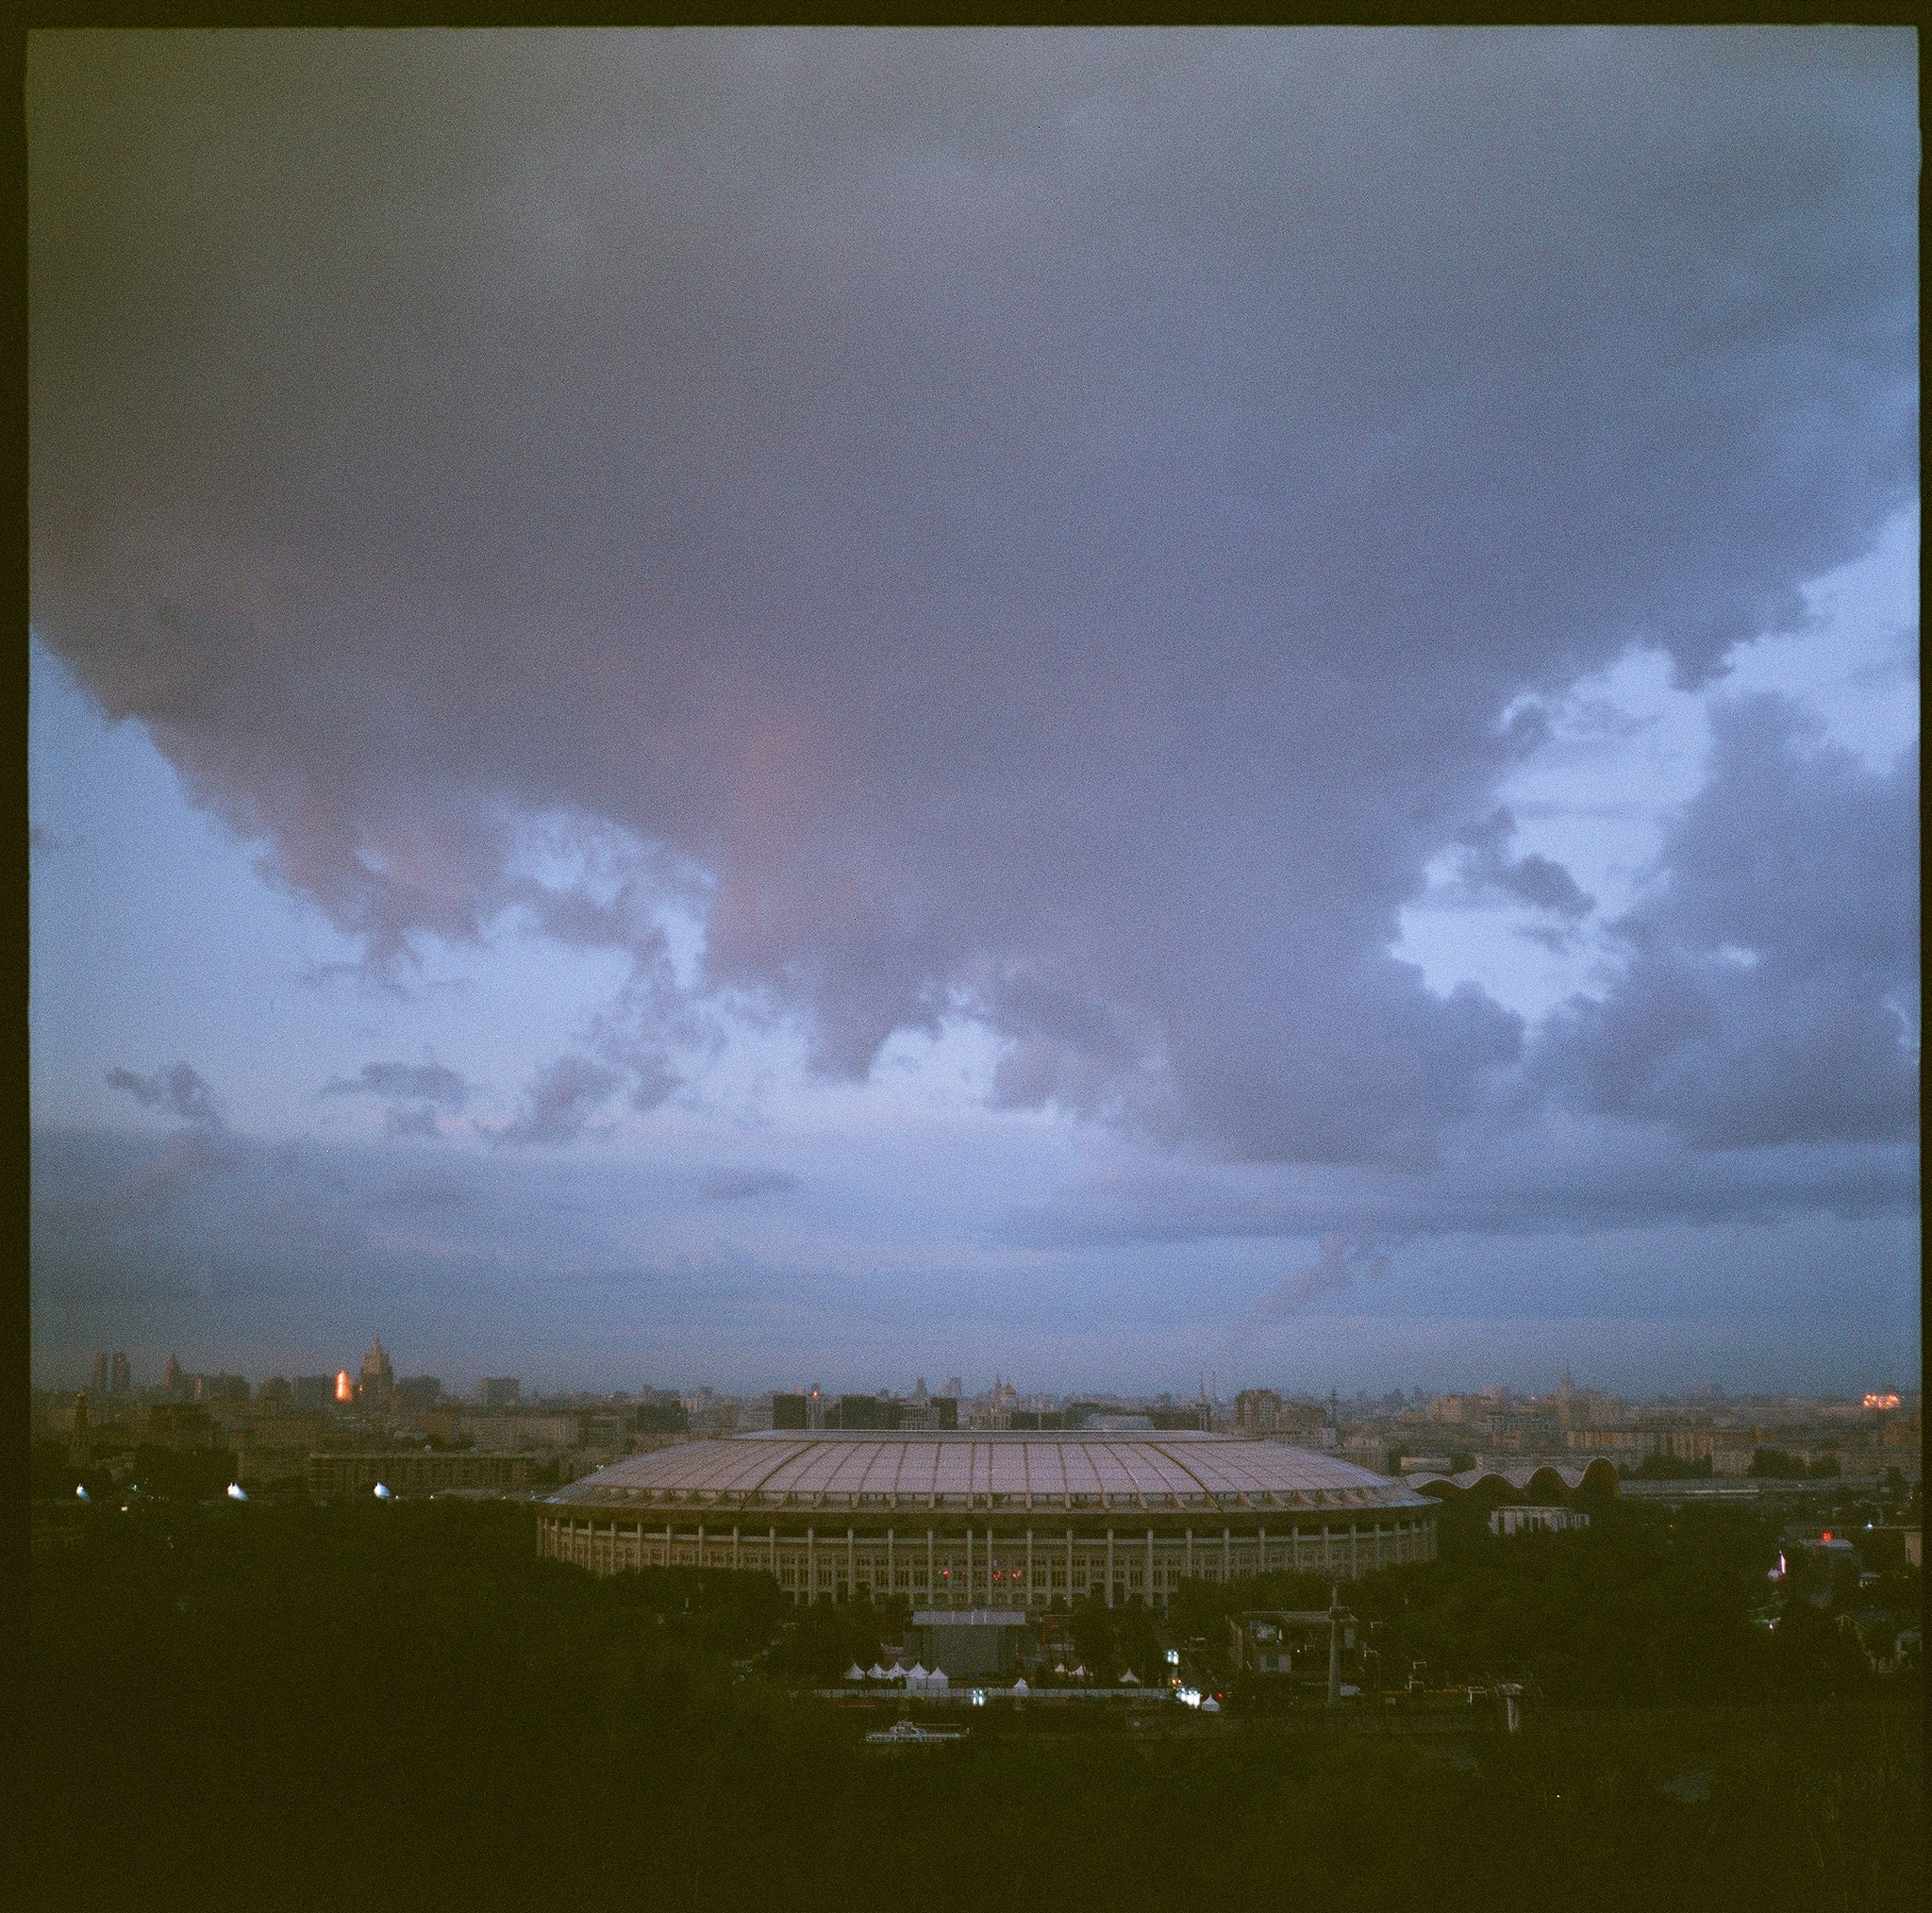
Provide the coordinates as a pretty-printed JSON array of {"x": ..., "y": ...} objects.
[{"x": 237, "y": 1493}]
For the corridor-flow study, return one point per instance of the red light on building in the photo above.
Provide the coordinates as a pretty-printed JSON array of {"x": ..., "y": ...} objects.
[
  {"x": 345, "y": 1389},
  {"x": 1827, "y": 1535}
]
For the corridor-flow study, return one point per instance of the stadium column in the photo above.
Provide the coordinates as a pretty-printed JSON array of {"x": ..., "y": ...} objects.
[
  {"x": 1149, "y": 1568},
  {"x": 811, "y": 1566},
  {"x": 701, "y": 1544},
  {"x": 734, "y": 1550},
  {"x": 931, "y": 1591},
  {"x": 667, "y": 1544},
  {"x": 1029, "y": 1567},
  {"x": 891, "y": 1564},
  {"x": 1187, "y": 1564},
  {"x": 851, "y": 1568},
  {"x": 1226, "y": 1555},
  {"x": 969, "y": 1562},
  {"x": 1109, "y": 1567},
  {"x": 773, "y": 1563}
]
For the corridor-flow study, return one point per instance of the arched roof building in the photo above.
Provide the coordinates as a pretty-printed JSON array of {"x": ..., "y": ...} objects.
[
  {"x": 983, "y": 1518},
  {"x": 1550, "y": 1481}
]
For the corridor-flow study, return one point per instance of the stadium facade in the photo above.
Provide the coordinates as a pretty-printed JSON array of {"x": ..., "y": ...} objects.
[{"x": 983, "y": 1519}]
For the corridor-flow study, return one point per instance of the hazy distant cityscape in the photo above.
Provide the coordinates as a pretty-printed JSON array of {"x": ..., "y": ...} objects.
[{"x": 327, "y": 1432}]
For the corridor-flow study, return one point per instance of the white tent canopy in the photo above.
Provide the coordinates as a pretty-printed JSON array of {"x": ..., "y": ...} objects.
[{"x": 855, "y": 1672}]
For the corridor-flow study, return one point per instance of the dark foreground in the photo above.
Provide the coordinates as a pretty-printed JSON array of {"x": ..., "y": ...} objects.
[{"x": 327, "y": 1708}]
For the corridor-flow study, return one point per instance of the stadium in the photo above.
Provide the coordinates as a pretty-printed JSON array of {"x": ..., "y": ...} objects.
[{"x": 989, "y": 1519}]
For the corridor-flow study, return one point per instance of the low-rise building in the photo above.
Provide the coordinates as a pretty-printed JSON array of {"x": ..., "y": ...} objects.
[
  {"x": 970, "y": 1643},
  {"x": 1517, "y": 1520},
  {"x": 1310, "y": 1651}
]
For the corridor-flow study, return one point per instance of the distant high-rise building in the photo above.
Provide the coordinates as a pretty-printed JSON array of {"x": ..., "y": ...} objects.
[
  {"x": 417, "y": 1393},
  {"x": 121, "y": 1377},
  {"x": 498, "y": 1391},
  {"x": 1256, "y": 1411},
  {"x": 378, "y": 1385},
  {"x": 97, "y": 1375},
  {"x": 920, "y": 1391},
  {"x": 956, "y": 1387},
  {"x": 174, "y": 1380}
]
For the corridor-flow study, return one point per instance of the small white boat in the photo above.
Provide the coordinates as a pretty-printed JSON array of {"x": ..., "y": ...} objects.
[{"x": 904, "y": 1734}]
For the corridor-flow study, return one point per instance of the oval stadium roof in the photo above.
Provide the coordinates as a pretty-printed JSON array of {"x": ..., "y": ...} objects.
[{"x": 983, "y": 1470}]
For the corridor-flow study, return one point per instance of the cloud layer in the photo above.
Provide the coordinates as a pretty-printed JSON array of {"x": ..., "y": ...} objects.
[{"x": 1036, "y": 526}]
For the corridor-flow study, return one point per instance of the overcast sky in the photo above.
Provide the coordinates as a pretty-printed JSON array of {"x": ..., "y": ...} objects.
[{"x": 821, "y": 706}]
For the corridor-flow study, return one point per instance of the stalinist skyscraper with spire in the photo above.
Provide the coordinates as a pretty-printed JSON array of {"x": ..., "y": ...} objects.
[{"x": 378, "y": 1385}]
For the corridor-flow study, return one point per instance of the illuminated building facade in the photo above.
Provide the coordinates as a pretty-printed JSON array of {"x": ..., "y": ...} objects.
[{"x": 989, "y": 1519}]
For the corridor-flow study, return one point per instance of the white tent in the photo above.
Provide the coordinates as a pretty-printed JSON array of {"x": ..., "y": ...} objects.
[
  {"x": 916, "y": 1676},
  {"x": 855, "y": 1672},
  {"x": 1020, "y": 1684},
  {"x": 895, "y": 1673},
  {"x": 938, "y": 1678},
  {"x": 1130, "y": 1679},
  {"x": 1079, "y": 1673},
  {"x": 876, "y": 1673},
  {"x": 1060, "y": 1667}
]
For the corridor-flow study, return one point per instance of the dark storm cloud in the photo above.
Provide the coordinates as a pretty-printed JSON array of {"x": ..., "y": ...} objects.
[
  {"x": 1047, "y": 521},
  {"x": 1773, "y": 994},
  {"x": 180, "y": 1089}
]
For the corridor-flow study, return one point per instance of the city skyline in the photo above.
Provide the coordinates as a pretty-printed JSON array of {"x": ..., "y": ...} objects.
[
  {"x": 756, "y": 703},
  {"x": 126, "y": 1379}
]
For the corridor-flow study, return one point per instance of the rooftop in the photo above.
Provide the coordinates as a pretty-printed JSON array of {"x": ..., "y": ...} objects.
[{"x": 979, "y": 1468}]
